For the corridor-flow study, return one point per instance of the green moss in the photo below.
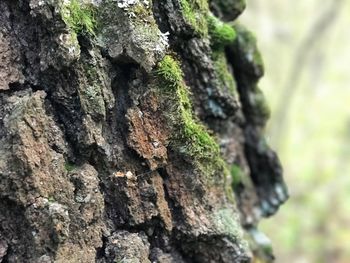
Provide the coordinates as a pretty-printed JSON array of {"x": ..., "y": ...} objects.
[
  {"x": 198, "y": 140},
  {"x": 221, "y": 34},
  {"x": 200, "y": 143},
  {"x": 247, "y": 46},
  {"x": 231, "y": 8},
  {"x": 261, "y": 107},
  {"x": 170, "y": 72},
  {"x": 236, "y": 175},
  {"x": 225, "y": 77},
  {"x": 191, "y": 137},
  {"x": 79, "y": 17},
  {"x": 141, "y": 12},
  {"x": 142, "y": 15},
  {"x": 194, "y": 12}
]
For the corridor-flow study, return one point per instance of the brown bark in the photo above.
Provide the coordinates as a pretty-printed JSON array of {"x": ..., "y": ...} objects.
[{"x": 121, "y": 124}]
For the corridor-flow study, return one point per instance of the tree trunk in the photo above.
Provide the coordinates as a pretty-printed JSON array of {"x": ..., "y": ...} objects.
[{"x": 132, "y": 131}]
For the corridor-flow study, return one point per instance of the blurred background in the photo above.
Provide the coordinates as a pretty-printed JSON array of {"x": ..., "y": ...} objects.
[{"x": 306, "y": 50}]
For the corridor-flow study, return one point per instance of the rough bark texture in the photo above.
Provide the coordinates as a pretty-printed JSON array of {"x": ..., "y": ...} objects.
[{"x": 132, "y": 131}]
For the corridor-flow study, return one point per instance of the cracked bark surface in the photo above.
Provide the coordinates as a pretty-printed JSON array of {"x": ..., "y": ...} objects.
[{"x": 107, "y": 157}]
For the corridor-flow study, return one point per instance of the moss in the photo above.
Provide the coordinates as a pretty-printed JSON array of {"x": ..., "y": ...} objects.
[
  {"x": 79, "y": 17},
  {"x": 140, "y": 11},
  {"x": 194, "y": 12},
  {"x": 250, "y": 58},
  {"x": 236, "y": 175},
  {"x": 170, "y": 72},
  {"x": 260, "y": 105},
  {"x": 199, "y": 141},
  {"x": 141, "y": 14},
  {"x": 224, "y": 75},
  {"x": 197, "y": 138},
  {"x": 231, "y": 8},
  {"x": 221, "y": 34},
  {"x": 191, "y": 137},
  {"x": 248, "y": 42}
]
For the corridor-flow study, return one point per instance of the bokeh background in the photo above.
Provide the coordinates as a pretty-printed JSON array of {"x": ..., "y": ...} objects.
[{"x": 306, "y": 50}]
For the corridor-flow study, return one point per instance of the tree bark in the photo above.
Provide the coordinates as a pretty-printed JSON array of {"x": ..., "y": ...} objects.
[{"x": 132, "y": 131}]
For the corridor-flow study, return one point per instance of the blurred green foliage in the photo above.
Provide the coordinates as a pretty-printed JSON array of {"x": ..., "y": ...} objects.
[{"x": 314, "y": 141}]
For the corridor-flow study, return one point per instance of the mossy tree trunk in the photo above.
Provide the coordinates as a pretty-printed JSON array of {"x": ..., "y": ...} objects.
[{"x": 132, "y": 131}]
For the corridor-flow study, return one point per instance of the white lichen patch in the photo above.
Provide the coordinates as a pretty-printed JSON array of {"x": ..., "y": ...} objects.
[
  {"x": 228, "y": 222},
  {"x": 69, "y": 43},
  {"x": 127, "y": 4},
  {"x": 163, "y": 42},
  {"x": 129, "y": 29}
]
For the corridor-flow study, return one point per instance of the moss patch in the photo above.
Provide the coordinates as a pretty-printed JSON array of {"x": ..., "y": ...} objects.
[
  {"x": 190, "y": 137},
  {"x": 261, "y": 108},
  {"x": 170, "y": 72},
  {"x": 198, "y": 141},
  {"x": 221, "y": 34},
  {"x": 250, "y": 58},
  {"x": 194, "y": 13},
  {"x": 236, "y": 175},
  {"x": 230, "y": 8},
  {"x": 79, "y": 17},
  {"x": 225, "y": 77}
]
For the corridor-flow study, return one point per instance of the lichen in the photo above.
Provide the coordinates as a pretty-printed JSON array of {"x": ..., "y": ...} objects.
[
  {"x": 79, "y": 17},
  {"x": 129, "y": 30},
  {"x": 139, "y": 11},
  {"x": 194, "y": 13},
  {"x": 221, "y": 34},
  {"x": 225, "y": 218},
  {"x": 90, "y": 93},
  {"x": 229, "y": 223}
]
